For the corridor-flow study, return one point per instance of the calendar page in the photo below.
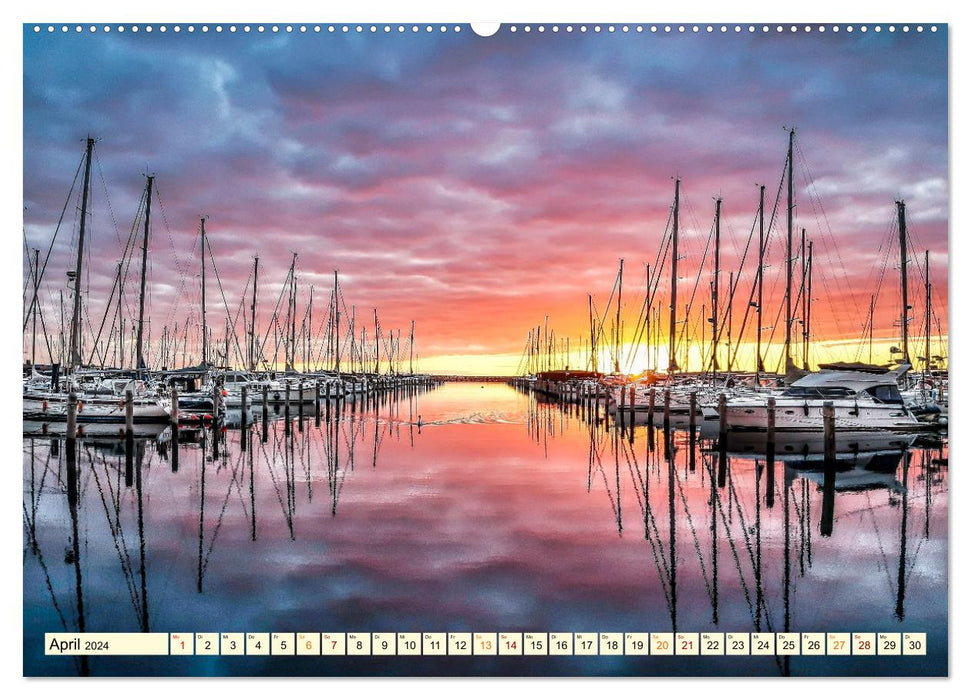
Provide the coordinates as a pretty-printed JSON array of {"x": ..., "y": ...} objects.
[{"x": 514, "y": 349}]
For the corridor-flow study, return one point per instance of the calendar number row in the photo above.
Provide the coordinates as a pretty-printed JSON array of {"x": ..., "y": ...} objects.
[{"x": 489, "y": 644}]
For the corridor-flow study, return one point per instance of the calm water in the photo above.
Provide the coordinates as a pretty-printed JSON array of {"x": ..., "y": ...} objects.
[{"x": 497, "y": 514}]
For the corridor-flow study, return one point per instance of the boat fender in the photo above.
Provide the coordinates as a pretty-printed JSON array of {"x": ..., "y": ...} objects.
[
  {"x": 45, "y": 405},
  {"x": 805, "y": 408},
  {"x": 856, "y": 409},
  {"x": 80, "y": 406}
]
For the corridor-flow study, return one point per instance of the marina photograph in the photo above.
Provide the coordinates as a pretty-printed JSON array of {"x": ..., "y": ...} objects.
[{"x": 450, "y": 350}]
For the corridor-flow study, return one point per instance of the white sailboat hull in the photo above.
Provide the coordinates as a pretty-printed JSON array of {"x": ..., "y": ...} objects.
[
  {"x": 50, "y": 408},
  {"x": 794, "y": 414}
]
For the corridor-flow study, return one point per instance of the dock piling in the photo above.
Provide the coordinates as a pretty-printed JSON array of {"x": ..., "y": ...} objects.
[
  {"x": 72, "y": 425},
  {"x": 722, "y": 423},
  {"x": 770, "y": 427},
  {"x": 829, "y": 433},
  {"x": 129, "y": 415},
  {"x": 174, "y": 410},
  {"x": 667, "y": 409},
  {"x": 242, "y": 418},
  {"x": 650, "y": 409}
]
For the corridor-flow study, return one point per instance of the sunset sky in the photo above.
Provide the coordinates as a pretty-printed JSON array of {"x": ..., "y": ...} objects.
[{"x": 478, "y": 185}]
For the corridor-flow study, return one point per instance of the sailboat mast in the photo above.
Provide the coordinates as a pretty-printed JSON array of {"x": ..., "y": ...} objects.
[
  {"x": 33, "y": 342},
  {"x": 927, "y": 313},
  {"x": 731, "y": 284},
  {"x": 872, "y": 302},
  {"x": 75, "y": 354},
  {"x": 647, "y": 319},
  {"x": 617, "y": 333},
  {"x": 252, "y": 328},
  {"x": 377, "y": 345},
  {"x": 809, "y": 309},
  {"x": 593, "y": 336},
  {"x": 789, "y": 211},
  {"x": 139, "y": 359},
  {"x": 411, "y": 350},
  {"x": 337, "y": 325},
  {"x": 121, "y": 320},
  {"x": 672, "y": 339},
  {"x": 714, "y": 289},
  {"x": 902, "y": 226},
  {"x": 205, "y": 343},
  {"x": 758, "y": 308},
  {"x": 60, "y": 353},
  {"x": 293, "y": 313}
]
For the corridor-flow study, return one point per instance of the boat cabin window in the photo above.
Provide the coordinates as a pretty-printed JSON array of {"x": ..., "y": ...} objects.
[
  {"x": 885, "y": 394},
  {"x": 817, "y": 392}
]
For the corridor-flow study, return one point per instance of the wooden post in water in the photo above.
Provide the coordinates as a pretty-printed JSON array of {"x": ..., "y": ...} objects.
[
  {"x": 829, "y": 433},
  {"x": 667, "y": 409},
  {"x": 770, "y": 427},
  {"x": 622, "y": 408},
  {"x": 300, "y": 406},
  {"x": 286, "y": 410},
  {"x": 242, "y": 419},
  {"x": 72, "y": 425},
  {"x": 215, "y": 404},
  {"x": 174, "y": 410},
  {"x": 692, "y": 408},
  {"x": 174, "y": 447},
  {"x": 317, "y": 400},
  {"x": 829, "y": 469},
  {"x": 129, "y": 415},
  {"x": 650, "y": 408},
  {"x": 722, "y": 423},
  {"x": 266, "y": 409}
]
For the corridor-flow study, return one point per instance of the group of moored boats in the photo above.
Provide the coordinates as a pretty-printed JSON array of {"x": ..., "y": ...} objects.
[
  {"x": 201, "y": 395},
  {"x": 862, "y": 397}
]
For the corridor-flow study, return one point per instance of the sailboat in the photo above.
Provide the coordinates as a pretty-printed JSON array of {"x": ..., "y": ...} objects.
[{"x": 99, "y": 400}]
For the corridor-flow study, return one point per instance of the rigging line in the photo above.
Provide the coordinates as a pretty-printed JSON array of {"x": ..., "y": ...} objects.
[
  {"x": 640, "y": 327},
  {"x": 111, "y": 211},
  {"x": 222, "y": 293},
  {"x": 119, "y": 283},
  {"x": 322, "y": 334},
  {"x": 889, "y": 236},
  {"x": 662, "y": 253},
  {"x": 183, "y": 269},
  {"x": 755, "y": 280},
  {"x": 30, "y": 263},
  {"x": 28, "y": 278},
  {"x": 694, "y": 291},
  {"x": 275, "y": 318},
  {"x": 815, "y": 200},
  {"x": 57, "y": 228},
  {"x": 610, "y": 300}
]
